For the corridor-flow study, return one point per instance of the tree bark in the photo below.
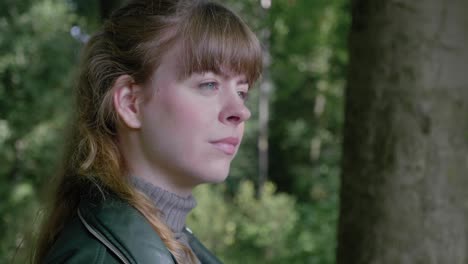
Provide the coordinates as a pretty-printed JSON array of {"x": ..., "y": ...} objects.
[
  {"x": 266, "y": 87},
  {"x": 405, "y": 157}
]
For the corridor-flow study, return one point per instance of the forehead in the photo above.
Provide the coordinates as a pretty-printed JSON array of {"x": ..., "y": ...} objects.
[{"x": 175, "y": 60}]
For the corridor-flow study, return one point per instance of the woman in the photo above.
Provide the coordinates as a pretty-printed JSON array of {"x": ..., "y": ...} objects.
[{"x": 160, "y": 109}]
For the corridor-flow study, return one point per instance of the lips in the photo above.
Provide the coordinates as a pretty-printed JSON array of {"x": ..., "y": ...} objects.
[{"x": 227, "y": 145}]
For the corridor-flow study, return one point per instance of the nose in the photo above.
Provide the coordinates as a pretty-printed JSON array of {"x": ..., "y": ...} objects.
[{"x": 234, "y": 111}]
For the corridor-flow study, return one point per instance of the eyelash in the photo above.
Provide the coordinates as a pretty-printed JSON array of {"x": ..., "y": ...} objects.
[
  {"x": 206, "y": 84},
  {"x": 244, "y": 95}
]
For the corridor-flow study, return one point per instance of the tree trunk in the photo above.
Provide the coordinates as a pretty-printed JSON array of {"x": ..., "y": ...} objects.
[
  {"x": 405, "y": 164},
  {"x": 266, "y": 87}
]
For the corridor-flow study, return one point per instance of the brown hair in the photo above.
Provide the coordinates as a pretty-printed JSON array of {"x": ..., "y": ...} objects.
[{"x": 132, "y": 42}]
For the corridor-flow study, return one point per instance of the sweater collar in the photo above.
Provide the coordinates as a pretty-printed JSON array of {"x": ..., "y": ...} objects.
[{"x": 174, "y": 208}]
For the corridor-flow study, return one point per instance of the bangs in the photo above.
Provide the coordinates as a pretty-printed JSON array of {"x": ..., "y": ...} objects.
[{"x": 214, "y": 39}]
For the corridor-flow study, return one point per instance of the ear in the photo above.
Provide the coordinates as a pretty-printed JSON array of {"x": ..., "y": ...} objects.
[{"x": 127, "y": 97}]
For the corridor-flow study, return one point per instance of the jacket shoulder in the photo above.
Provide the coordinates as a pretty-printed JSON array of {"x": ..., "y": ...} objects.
[
  {"x": 126, "y": 229},
  {"x": 74, "y": 245},
  {"x": 106, "y": 232}
]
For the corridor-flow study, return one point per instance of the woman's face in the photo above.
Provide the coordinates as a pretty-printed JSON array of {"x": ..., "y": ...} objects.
[{"x": 191, "y": 128}]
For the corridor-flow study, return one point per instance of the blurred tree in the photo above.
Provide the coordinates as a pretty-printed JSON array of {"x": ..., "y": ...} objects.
[
  {"x": 308, "y": 54},
  {"x": 36, "y": 55},
  {"x": 403, "y": 193},
  {"x": 38, "y": 52},
  {"x": 308, "y": 62},
  {"x": 246, "y": 229}
]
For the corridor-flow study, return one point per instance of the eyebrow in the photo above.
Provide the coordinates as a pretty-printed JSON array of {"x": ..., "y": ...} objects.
[
  {"x": 226, "y": 75},
  {"x": 243, "y": 81}
]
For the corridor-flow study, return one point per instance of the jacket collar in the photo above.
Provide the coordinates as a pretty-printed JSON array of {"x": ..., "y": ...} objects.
[
  {"x": 125, "y": 229},
  {"x": 202, "y": 253},
  {"x": 129, "y": 233}
]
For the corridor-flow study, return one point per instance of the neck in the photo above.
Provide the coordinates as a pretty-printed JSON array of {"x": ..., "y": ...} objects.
[
  {"x": 159, "y": 178},
  {"x": 157, "y": 172},
  {"x": 173, "y": 207}
]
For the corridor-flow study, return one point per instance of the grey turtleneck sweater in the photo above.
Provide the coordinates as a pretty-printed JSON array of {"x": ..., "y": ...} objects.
[{"x": 174, "y": 208}]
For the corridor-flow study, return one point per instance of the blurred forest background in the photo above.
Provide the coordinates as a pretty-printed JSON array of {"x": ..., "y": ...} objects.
[
  {"x": 401, "y": 152},
  {"x": 293, "y": 221}
]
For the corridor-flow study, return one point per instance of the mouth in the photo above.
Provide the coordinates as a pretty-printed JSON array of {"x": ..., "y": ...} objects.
[{"x": 227, "y": 145}]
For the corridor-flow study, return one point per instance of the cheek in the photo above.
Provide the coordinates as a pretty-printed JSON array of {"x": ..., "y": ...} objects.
[
  {"x": 242, "y": 129},
  {"x": 185, "y": 125},
  {"x": 182, "y": 116},
  {"x": 173, "y": 130}
]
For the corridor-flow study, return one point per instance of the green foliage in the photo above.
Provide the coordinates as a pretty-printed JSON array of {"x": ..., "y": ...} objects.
[
  {"x": 243, "y": 229},
  {"x": 293, "y": 221},
  {"x": 308, "y": 47},
  {"x": 36, "y": 58},
  {"x": 273, "y": 229}
]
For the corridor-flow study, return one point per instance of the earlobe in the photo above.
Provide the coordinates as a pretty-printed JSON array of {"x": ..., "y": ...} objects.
[{"x": 126, "y": 99}]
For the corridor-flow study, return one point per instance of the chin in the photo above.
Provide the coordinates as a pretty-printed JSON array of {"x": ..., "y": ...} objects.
[
  {"x": 213, "y": 176},
  {"x": 220, "y": 178},
  {"x": 216, "y": 178}
]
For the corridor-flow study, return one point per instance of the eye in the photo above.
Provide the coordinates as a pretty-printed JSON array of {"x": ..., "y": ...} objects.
[
  {"x": 243, "y": 95},
  {"x": 209, "y": 85}
]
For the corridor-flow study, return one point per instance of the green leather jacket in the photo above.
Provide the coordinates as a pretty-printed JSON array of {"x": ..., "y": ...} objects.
[{"x": 111, "y": 231}]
